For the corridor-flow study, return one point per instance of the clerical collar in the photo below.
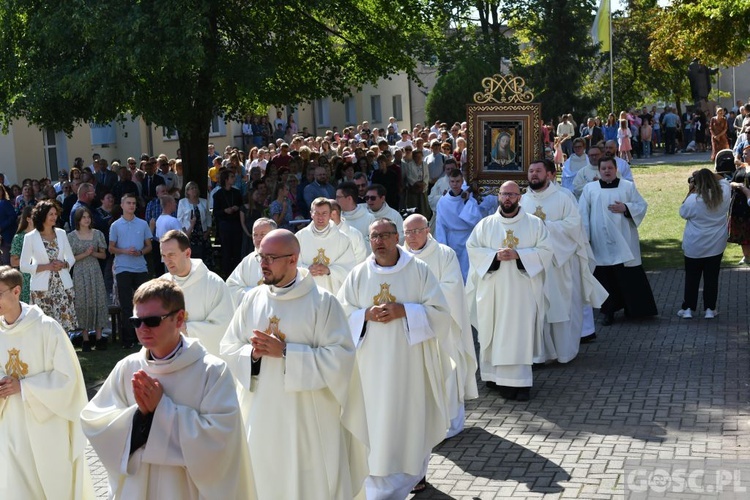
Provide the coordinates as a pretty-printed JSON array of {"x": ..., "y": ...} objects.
[
  {"x": 321, "y": 232},
  {"x": 609, "y": 185},
  {"x": 169, "y": 357},
  {"x": 450, "y": 191}
]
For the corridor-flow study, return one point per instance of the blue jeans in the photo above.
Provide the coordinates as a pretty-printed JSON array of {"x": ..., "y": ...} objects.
[{"x": 646, "y": 148}]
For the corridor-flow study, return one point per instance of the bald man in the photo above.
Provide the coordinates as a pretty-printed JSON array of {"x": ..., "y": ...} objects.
[
  {"x": 247, "y": 275},
  {"x": 508, "y": 255},
  {"x": 443, "y": 262},
  {"x": 291, "y": 351}
]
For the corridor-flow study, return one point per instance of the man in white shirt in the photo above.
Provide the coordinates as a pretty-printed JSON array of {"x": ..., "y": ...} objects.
[
  {"x": 379, "y": 208},
  {"x": 247, "y": 275}
]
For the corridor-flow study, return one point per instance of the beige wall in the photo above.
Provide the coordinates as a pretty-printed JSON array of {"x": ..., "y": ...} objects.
[
  {"x": 29, "y": 151},
  {"x": 738, "y": 87}
]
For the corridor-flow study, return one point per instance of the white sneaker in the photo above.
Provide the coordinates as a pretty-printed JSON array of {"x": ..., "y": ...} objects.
[
  {"x": 742, "y": 262},
  {"x": 685, "y": 313},
  {"x": 711, "y": 314}
]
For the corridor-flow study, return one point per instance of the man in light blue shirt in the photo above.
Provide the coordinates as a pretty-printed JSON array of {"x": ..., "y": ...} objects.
[
  {"x": 129, "y": 240},
  {"x": 670, "y": 121}
]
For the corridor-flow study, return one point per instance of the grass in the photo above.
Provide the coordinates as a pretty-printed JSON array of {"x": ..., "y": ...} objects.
[
  {"x": 96, "y": 365},
  {"x": 664, "y": 187}
]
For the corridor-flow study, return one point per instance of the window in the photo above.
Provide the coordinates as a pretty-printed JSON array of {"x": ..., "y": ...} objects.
[
  {"x": 350, "y": 110},
  {"x": 50, "y": 152},
  {"x": 173, "y": 136},
  {"x": 322, "y": 111},
  {"x": 218, "y": 126},
  {"x": 397, "y": 113},
  {"x": 376, "y": 116}
]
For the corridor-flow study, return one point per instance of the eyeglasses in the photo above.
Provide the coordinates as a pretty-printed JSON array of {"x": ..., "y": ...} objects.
[
  {"x": 270, "y": 259},
  {"x": 409, "y": 232},
  {"x": 150, "y": 321},
  {"x": 371, "y": 198},
  {"x": 382, "y": 236},
  {"x": 509, "y": 195}
]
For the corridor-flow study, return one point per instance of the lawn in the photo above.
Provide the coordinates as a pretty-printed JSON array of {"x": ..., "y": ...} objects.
[{"x": 664, "y": 187}]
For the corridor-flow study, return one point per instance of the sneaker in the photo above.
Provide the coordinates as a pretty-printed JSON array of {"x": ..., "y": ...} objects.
[
  {"x": 685, "y": 313},
  {"x": 711, "y": 314},
  {"x": 742, "y": 262}
]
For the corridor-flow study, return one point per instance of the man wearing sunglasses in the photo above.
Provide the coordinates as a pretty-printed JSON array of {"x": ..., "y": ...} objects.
[
  {"x": 395, "y": 306},
  {"x": 207, "y": 298},
  {"x": 375, "y": 199},
  {"x": 166, "y": 423},
  {"x": 290, "y": 349}
]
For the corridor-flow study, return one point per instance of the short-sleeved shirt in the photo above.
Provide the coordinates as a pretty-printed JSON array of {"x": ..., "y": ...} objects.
[
  {"x": 164, "y": 223},
  {"x": 126, "y": 234}
]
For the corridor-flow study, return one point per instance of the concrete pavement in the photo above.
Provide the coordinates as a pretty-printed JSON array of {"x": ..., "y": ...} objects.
[{"x": 662, "y": 388}]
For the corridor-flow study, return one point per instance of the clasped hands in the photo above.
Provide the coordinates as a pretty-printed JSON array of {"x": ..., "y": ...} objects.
[
  {"x": 9, "y": 386},
  {"x": 147, "y": 392},
  {"x": 385, "y": 313},
  {"x": 319, "y": 270},
  {"x": 506, "y": 254},
  {"x": 266, "y": 345}
]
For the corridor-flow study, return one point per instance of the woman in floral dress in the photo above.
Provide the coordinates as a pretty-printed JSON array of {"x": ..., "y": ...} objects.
[
  {"x": 47, "y": 256},
  {"x": 89, "y": 246}
]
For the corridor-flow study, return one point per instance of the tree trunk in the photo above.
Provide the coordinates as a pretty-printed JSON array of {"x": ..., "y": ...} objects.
[{"x": 194, "y": 148}]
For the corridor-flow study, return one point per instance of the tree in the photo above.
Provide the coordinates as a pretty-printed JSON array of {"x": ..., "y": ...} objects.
[
  {"x": 715, "y": 31},
  {"x": 557, "y": 53},
  {"x": 178, "y": 63},
  {"x": 454, "y": 89}
]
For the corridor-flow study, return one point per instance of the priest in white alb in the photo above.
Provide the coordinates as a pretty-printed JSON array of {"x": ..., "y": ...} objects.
[
  {"x": 457, "y": 213},
  {"x": 397, "y": 315},
  {"x": 509, "y": 253},
  {"x": 166, "y": 423},
  {"x": 575, "y": 162},
  {"x": 569, "y": 283},
  {"x": 611, "y": 210},
  {"x": 358, "y": 216},
  {"x": 247, "y": 275},
  {"x": 380, "y": 209},
  {"x": 324, "y": 250},
  {"x": 207, "y": 299},
  {"x": 461, "y": 384},
  {"x": 41, "y": 396},
  {"x": 359, "y": 247},
  {"x": 290, "y": 349}
]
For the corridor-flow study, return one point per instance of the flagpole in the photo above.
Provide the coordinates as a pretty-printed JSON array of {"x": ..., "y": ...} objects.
[{"x": 611, "y": 77}]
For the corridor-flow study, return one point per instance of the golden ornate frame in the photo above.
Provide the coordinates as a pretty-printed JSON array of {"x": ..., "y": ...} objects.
[{"x": 505, "y": 104}]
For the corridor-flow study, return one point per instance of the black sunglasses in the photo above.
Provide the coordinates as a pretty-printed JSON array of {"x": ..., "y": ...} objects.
[{"x": 150, "y": 321}]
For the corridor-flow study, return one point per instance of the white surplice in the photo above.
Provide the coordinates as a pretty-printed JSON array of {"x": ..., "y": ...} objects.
[
  {"x": 208, "y": 304},
  {"x": 571, "y": 167},
  {"x": 394, "y": 216},
  {"x": 41, "y": 441},
  {"x": 304, "y": 414},
  {"x": 462, "y": 384},
  {"x": 246, "y": 276},
  {"x": 196, "y": 446},
  {"x": 508, "y": 304},
  {"x": 613, "y": 236},
  {"x": 400, "y": 366},
  {"x": 360, "y": 219},
  {"x": 569, "y": 282},
  {"x": 454, "y": 222},
  {"x": 359, "y": 247},
  {"x": 329, "y": 247},
  {"x": 583, "y": 177}
]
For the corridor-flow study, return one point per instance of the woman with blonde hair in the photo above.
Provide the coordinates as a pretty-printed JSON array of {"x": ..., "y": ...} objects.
[{"x": 703, "y": 242}]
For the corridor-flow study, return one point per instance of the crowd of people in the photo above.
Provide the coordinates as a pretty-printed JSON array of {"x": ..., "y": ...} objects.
[{"x": 334, "y": 345}]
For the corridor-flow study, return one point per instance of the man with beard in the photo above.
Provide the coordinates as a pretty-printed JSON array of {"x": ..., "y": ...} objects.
[
  {"x": 611, "y": 211},
  {"x": 509, "y": 253},
  {"x": 291, "y": 351},
  {"x": 568, "y": 282},
  {"x": 623, "y": 168}
]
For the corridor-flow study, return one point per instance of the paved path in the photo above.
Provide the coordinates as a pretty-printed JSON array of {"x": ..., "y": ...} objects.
[{"x": 664, "y": 388}]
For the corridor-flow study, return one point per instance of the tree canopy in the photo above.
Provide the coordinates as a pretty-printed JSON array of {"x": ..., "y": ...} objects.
[{"x": 177, "y": 63}]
